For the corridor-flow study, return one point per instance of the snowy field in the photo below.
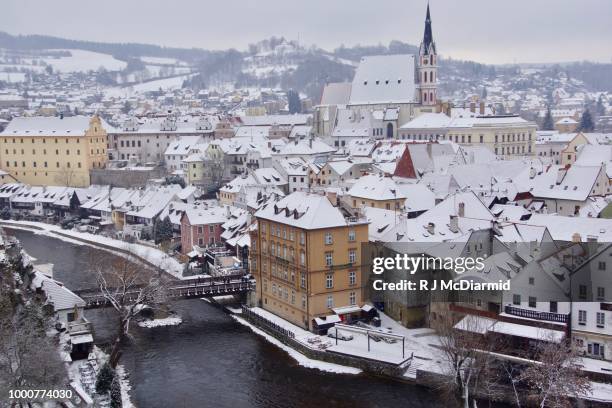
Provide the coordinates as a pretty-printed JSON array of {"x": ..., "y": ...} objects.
[
  {"x": 82, "y": 61},
  {"x": 165, "y": 84},
  {"x": 12, "y": 77}
]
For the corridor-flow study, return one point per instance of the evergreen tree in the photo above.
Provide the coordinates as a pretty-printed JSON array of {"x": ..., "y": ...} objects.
[
  {"x": 105, "y": 379},
  {"x": 601, "y": 109},
  {"x": 548, "y": 123},
  {"x": 586, "y": 122},
  {"x": 163, "y": 230},
  {"x": 293, "y": 98},
  {"x": 126, "y": 108},
  {"x": 115, "y": 393}
]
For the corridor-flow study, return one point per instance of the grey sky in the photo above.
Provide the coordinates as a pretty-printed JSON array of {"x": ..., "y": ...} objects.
[{"x": 492, "y": 31}]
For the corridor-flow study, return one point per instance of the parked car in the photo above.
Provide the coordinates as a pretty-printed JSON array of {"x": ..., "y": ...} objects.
[{"x": 341, "y": 336}]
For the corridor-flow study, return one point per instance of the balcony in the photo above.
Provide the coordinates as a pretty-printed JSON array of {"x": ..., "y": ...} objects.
[{"x": 536, "y": 315}]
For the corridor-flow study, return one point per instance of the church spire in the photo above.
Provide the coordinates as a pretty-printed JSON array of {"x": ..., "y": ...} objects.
[{"x": 428, "y": 46}]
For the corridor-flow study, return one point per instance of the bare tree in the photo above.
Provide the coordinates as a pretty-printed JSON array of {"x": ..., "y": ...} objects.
[
  {"x": 65, "y": 176},
  {"x": 556, "y": 378},
  {"x": 471, "y": 368},
  {"x": 128, "y": 287}
]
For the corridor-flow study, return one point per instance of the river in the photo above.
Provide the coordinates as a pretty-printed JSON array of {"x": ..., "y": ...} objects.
[{"x": 210, "y": 360}]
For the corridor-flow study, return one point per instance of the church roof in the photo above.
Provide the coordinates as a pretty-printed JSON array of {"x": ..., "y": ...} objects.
[{"x": 384, "y": 79}]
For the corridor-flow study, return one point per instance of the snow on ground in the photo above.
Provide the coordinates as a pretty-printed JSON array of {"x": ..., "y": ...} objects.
[
  {"x": 299, "y": 357},
  {"x": 152, "y": 255},
  {"x": 161, "y": 60},
  {"x": 165, "y": 84},
  {"x": 12, "y": 77},
  {"x": 81, "y": 61},
  {"x": 168, "y": 321},
  {"x": 418, "y": 342}
]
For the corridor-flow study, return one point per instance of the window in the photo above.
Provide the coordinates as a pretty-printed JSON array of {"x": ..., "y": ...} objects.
[
  {"x": 601, "y": 293},
  {"x": 351, "y": 235},
  {"x": 329, "y": 281},
  {"x": 330, "y": 301},
  {"x": 328, "y": 238},
  {"x": 532, "y": 281},
  {"x": 302, "y": 238},
  {"x": 516, "y": 300},
  {"x": 532, "y": 301},
  {"x": 582, "y": 317},
  {"x": 302, "y": 279},
  {"x": 352, "y": 277},
  {"x": 302, "y": 258},
  {"x": 553, "y": 307},
  {"x": 329, "y": 260},
  {"x": 352, "y": 255},
  {"x": 582, "y": 292},
  {"x": 601, "y": 266},
  {"x": 601, "y": 319},
  {"x": 352, "y": 298}
]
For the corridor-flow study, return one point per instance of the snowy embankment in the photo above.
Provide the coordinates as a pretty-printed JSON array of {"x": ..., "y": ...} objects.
[
  {"x": 149, "y": 254},
  {"x": 168, "y": 321},
  {"x": 297, "y": 356}
]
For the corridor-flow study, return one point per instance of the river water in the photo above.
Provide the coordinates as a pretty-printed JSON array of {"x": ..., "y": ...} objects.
[{"x": 210, "y": 360}]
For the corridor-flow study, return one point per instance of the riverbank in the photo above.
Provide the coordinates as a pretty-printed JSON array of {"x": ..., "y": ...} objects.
[
  {"x": 426, "y": 360},
  {"x": 150, "y": 256}
]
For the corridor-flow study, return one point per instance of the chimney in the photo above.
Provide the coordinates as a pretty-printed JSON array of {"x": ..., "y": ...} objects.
[
  {"x": 431, "y": 228},
  {"x": 473, "y": 107},
  {"x": 534, "y": 249},
  {"x": 310, "y": 143},
  {"x": 461, "y": 209},
  {"x": 482, "y": 108},
  {"x": 532, "y": 173},
  {"x": 453, "y": 226},
  {"x": 332, "y": 196}
]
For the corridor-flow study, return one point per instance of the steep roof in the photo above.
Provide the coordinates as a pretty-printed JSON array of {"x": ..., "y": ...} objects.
[
  {"x": 304, "y": 210},
  {"x": 384, "y": 79}
]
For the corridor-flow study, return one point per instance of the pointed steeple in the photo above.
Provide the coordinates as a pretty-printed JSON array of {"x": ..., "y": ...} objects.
[{"x": 428, "y": 46}]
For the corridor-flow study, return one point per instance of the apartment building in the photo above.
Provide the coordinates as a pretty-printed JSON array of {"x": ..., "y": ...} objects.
[
  {"x": 47, "y": 151},
  {"x": 306, "y": 258},
  {"x": 507, "y": 136}
]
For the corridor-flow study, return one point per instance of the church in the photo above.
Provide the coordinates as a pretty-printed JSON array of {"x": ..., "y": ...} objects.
[{"x": 387, "y": 91}]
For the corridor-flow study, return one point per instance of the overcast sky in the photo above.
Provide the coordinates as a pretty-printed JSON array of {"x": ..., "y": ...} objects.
[{"x": 490, "y": 31}]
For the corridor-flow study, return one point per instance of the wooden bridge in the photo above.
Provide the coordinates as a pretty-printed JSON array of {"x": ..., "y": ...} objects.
[{"x": 179, "y": 289}]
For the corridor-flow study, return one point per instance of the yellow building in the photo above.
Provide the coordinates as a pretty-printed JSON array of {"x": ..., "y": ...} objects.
[
  {"x": 376, "y": 191},
  {"x": 53, "y": 150},
  {"x": 306, "y": 258},
  {"x": 508, "y": 136}
]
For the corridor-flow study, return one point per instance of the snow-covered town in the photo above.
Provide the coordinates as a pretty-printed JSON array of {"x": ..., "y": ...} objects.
[{"x": 292, "y": 226}]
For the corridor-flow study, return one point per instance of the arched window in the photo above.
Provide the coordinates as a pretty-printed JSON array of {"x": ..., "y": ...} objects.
[
  {"x": 424, "y": 76},
  {"x": 425, "y": 96},
  {"x": 431, "y": 98},
  {"x": 389, "y": 130},
  {"x": 431, "y": 76}
]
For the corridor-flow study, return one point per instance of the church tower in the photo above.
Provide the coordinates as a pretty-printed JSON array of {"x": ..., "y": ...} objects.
[{"x": 427, "y": 66}]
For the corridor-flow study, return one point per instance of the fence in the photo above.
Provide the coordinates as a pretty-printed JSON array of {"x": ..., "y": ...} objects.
[{"x": 262, "y": 321}]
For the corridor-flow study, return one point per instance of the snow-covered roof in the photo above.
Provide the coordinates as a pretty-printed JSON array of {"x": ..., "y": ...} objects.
[
  {"x": 376, "y": 187},
  {"x": 336, "y": 93},
  {"x": 428, "y": 120},
  {"x": 304, "y": 210},
  {"x": 49, "y": 126},
  {"x": 384, "y": 79}
]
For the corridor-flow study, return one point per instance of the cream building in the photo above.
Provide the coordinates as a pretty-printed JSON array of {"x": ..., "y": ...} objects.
[
  {"x": 53, "y": 150},
  {"x": 506, "y": 135}
]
